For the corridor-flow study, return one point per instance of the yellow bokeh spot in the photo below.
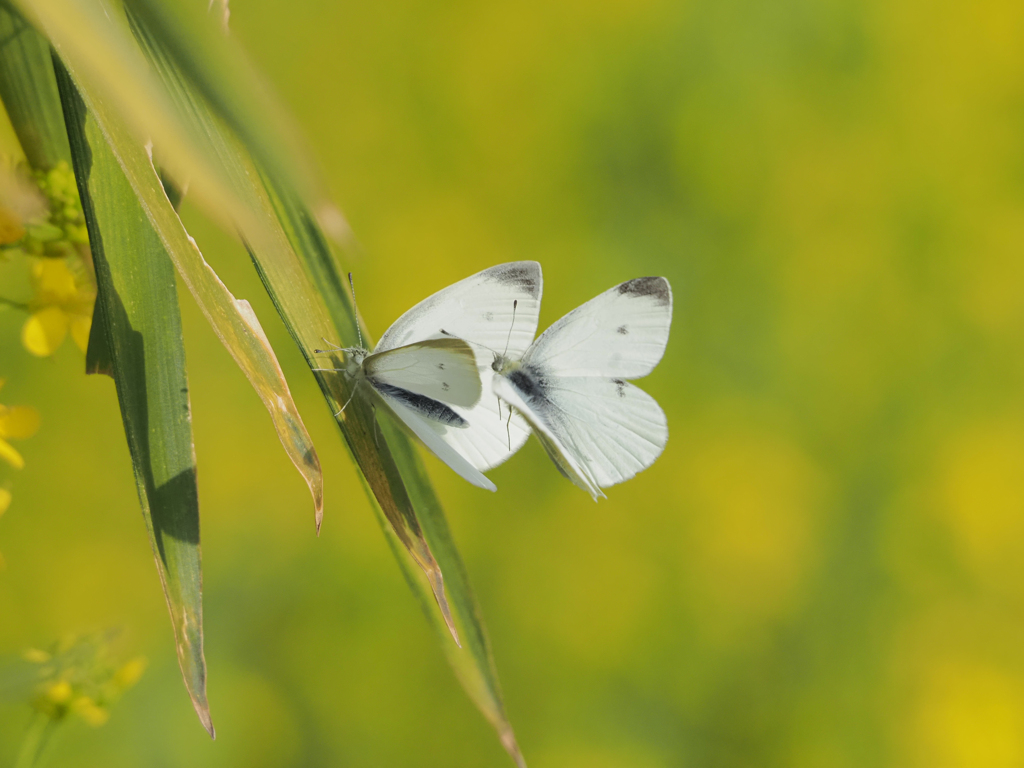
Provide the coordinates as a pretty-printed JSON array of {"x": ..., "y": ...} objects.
[
  {"x": 129, "y": 674},
  {"x": 11, "y": 230},
  {"x": 80, "y": 327},
  {"x": 44, "y": 331},
  {"x": 18, "y": 422},
  {"x": 5, "y": 500},
  {"x": 59, "y": 692},
  {"x": 10, "y": 455},
  {"x": 53, "y": 280},
  {"x": 36, "y": 656},
  {"x": 90, "y": 711},
  {"x": 970, "y": 716},
  {"x": 752, "y": 500},
  {"x": 983, "y": 491}
]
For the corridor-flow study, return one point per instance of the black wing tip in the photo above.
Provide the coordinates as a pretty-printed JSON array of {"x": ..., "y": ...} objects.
[
  {"x": 522, "y": 274},
  {"x": 656, "y": 287}
]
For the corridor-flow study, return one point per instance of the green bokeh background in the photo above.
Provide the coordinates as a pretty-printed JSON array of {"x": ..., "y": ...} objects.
[{"x": 824, "y": 568}]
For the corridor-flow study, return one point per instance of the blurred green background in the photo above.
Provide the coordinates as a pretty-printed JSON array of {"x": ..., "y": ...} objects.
[{"x": 824, "y": 568}]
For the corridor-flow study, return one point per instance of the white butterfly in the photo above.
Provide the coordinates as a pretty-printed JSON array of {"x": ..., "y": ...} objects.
[
  {"x": 428, "y": 376},
  {"x": 571, "y": 384}
]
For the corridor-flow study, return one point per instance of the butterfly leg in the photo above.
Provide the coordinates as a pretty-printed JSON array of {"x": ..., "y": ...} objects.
[
  {"x": 349, "y": 398},
  {"x": 508, "y": 427}
]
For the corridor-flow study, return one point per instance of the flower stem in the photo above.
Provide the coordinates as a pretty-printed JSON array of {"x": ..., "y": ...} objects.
[
  {"x": 38, "y": 734},
  {"x": 15, "y": 304}
]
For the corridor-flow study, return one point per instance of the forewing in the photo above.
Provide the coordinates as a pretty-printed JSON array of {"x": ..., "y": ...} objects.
[
  {"x": 441, "y": 369},
  {"x": 478, "y": 309},
  {"x": 428, "y": 430},
  {"x": 621, "y": 333}
]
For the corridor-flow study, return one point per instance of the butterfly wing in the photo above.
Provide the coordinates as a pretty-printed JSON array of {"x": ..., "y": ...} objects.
[
  {"x": 620, "y": 334},
  {"x": 541, "y": 415},
  {"x": 571, "y": 386},
  {"x": 478, "y": 309},
  {"x": 496, "y": 307},
  {"x": 599, "y": 432},
  {"x": 439, "y": 369},
  {"x": 428, "y": 419}
]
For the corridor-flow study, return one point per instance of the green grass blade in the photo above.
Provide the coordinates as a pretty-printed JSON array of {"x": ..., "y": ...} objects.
[
  {"x": 217, "y": 69},
  {"x": 135, "y": 279},
  {"x": 280, "y": 227},
  {"x": 307, "y": 312},
  {"x": 92, "y": 39},
  {"x": 405, "y": 502},
  {"x": 476, "y": 669},
  {"x": 232, "y": 319},
  {"x": 29, "y": 92}
]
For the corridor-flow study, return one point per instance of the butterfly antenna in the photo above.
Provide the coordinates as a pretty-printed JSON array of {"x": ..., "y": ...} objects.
[
  {"x": 515, "y": 303},
  {"x": 330, "y": 344},
  {"x": 355, "y": 306}
]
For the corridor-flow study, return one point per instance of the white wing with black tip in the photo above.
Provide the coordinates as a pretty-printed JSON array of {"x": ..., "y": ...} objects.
[
  {"x": 622, "y": 333},
  {"x": 479, "y": 309}
]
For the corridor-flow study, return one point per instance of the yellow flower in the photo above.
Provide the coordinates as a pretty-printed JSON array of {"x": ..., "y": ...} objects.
[
  {"x": 90, "y": 711},
  {"x": 59, "y": 692},
  {"x": 78, "y": 676},
  {"x": 129, "y": 674},
  {"x": 18, "y": 422},
  {"x": 63, "y": 301}
]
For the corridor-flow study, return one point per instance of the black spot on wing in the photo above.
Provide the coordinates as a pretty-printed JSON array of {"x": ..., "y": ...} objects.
[
  {"x": 622, "y": 330},
  {"x": 648, "y": 286},
  {"x": 425, "y": 406},
  {"x": 522, "y": 274},
  {"x": 620, "y": 387}
]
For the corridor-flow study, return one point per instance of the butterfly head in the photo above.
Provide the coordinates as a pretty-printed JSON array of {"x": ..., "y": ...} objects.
[
  {"x": 353, "y": 358},
  {"x": 503, "y": 365}
]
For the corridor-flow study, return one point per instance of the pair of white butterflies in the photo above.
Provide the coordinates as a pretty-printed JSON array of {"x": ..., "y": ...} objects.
[{"x": 445, "y": 367}]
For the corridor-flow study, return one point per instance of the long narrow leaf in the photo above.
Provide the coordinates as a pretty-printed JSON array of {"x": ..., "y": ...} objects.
[
  {"x": 137, "y": 291},
  {"x": 475, "y": 670},
  {"x": 217, "y": 70},
  {"x": 29, "y": 92}
]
